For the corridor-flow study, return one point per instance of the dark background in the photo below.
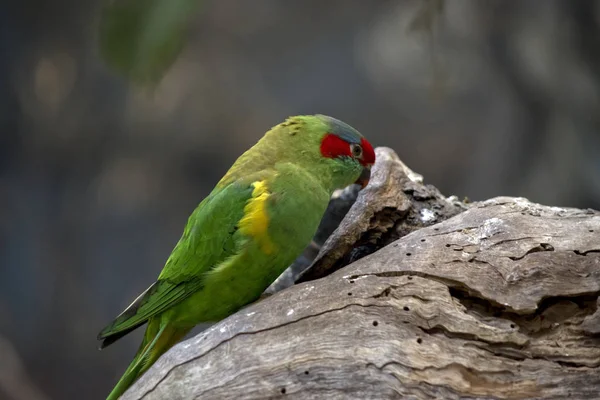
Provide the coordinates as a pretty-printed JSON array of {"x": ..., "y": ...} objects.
[{"x": 97, "y": 177}]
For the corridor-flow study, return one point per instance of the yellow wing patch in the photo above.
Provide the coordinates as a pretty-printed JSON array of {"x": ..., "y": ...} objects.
[{"x": 255, "y": 222}]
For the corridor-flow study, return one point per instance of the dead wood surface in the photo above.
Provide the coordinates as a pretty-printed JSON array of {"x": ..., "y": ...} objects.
[{"x": 498, "y": 302}]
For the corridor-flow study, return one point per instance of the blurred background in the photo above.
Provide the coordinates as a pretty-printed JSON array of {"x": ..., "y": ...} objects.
[{"x": 98, "y": 175}]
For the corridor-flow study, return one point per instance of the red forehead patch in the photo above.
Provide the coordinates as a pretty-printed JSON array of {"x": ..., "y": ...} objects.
[{"x": 332, "y": 146}]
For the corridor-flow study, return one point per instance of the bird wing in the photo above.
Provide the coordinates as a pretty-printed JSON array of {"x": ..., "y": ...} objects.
[{"x": 208, "y": 239}]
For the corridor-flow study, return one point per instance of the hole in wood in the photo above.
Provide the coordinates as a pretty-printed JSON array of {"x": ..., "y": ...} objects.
[
  {"x": 349, "y": 293},
  {"x": 375, "y": 323},
  {"x": 405, "y": 308},
  {"x": 283, "y": 390},
  {"x": 419, "y": 340},
  {"x": 409, "y": 254}
]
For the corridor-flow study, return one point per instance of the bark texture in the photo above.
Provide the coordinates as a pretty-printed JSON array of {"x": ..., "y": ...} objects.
[{"x": 490, "y": 300}]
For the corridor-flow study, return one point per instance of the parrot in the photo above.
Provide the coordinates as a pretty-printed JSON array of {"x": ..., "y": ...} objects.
[{"x": 254, "y": 223}]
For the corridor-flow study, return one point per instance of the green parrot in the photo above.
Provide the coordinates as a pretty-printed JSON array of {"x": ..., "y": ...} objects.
[{"x": 242, "y": 236}]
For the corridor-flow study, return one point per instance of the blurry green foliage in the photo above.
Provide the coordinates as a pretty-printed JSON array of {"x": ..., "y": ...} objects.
[{"x": 142, "y": 38}]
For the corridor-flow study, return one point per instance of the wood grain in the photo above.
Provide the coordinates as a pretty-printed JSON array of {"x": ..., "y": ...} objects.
[{"x": 498, "y": 302}]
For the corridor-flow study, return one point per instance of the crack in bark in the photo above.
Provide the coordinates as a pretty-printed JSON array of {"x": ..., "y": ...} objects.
[
  {"x": 450, "y": 283},
  {"x": 464, "y": 228},
  {"x": 585, "y": 253},
  {"x": 443, "y": 330},
  {"x": 521, "y": 355},
  {"x": 504, "y": 241},
  {"x": 536, "y": 249}
]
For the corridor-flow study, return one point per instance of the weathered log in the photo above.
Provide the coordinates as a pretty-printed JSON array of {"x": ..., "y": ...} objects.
[{"x": 498, "y": 302}]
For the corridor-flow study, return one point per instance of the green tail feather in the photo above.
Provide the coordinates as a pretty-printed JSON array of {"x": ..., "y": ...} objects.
[{"x": 144, "y": 358}]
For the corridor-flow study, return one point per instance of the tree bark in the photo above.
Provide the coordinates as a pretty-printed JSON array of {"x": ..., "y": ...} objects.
[{"x": 419, "y": 297}]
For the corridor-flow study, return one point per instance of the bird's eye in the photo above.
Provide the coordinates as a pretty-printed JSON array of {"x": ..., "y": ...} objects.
[{"x": 356, "y": 150}]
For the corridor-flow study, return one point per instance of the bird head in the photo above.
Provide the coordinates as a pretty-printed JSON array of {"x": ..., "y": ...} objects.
[
  {"x": 344, "y": 144},
  {"x": 331, "y": 150}
]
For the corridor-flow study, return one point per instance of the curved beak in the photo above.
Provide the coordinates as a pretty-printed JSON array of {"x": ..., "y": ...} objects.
[{"x": 364, "y": 177}]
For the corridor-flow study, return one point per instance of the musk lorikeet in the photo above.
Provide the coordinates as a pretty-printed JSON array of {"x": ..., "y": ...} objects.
[{"x": 242, "y": 236}]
